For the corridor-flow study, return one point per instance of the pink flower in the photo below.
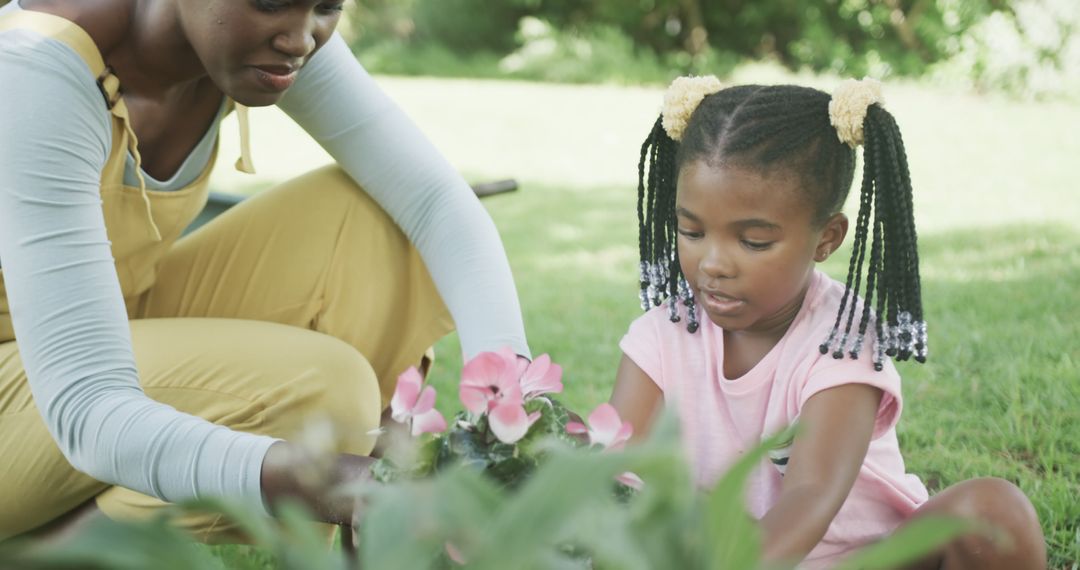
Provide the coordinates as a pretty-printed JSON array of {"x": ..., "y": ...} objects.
[
  {"x": 509, "y": 422},
  {"x": 489, "y": 379},
  {"x": 605, "y": 428},
  {"x": 631, "y": 480},
  {"x": 414, "y": 405},
  {"x": 455, "y": 554},
  {"x": 541, "y": 377},
  {"x": 491, "y": 384}
]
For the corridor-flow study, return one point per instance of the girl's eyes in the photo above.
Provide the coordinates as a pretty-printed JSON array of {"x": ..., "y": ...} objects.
[
  {"x": 330, "y": 7},
  {"x": 756, "y": 245},
  {"x": 748, "y": 244},
  {"x": 271, "y": 6}
]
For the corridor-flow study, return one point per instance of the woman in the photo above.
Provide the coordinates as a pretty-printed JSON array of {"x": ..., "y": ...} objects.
[{"x": 136, "y": 369}]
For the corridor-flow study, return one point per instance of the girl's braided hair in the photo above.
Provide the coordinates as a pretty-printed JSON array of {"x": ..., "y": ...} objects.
[{"x": 785, "y": 126}]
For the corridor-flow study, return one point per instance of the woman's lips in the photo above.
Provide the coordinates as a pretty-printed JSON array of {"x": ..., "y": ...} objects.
[
  {"x": 275, "y": 78},
  {"x": 718, "y": 303}
]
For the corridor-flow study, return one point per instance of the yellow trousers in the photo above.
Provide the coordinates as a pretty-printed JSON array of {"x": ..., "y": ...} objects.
[{"x": 303, "y": 302}]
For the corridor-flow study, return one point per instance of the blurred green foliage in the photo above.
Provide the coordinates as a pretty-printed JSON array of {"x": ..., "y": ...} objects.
[
  {"x": 563, "y": 517},
  {"x": 1027, "y": 47}
]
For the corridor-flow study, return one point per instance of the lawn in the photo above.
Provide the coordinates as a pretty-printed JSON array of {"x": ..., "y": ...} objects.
[{"x": 999, "y": 218}]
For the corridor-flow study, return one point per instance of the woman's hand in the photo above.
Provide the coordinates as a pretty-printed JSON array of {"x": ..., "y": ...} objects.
[{"x": 290, "y": 473}]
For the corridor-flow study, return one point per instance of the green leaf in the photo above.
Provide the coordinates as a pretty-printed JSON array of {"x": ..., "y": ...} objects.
[
  {"x": 116, "y": 545},
  {"x": 257, "y": 526},
  {"x": 408, "y": 525},
  {"x": 732, "y": 537},
  {"x": 399, "y": 515},
  {"x": 512, "y": 472},
  {"x": 467, "y": 447},
  {"x": 429, "y": 456},
  {"x": 304, "y": 545},
  {"x": 530, "y": 521},
  {"x": 384, "y": 471},
  {"x": 602, "y": 530},
  {"x": 912, "y": 542}
]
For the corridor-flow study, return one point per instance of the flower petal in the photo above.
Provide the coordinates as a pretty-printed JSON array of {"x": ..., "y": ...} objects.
[
  {"x": 405, "y": 394},
  {"x": 428, "y": 422},
  {"x": 484, "y": 369},
  {"x": 509, "y": 422},
  {"x": 576, "y": 428},
  {"x": 621, "y": 437},
  {"x": 604, "y": 425},
  {"x": 493, "y": 372},
  {"x": 630, "y": 480},
  {"x": 542, "y": 377},
  {"x": 455, "y": 554},
  {"x": 510, "y": 393},
  {"x": 425, "y": 402},
  {"x": 474, "y": 398},
  {"x": 518, "y": 365}
]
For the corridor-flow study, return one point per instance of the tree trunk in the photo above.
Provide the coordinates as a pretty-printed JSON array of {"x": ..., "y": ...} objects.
[
  {"x": 697, "y": 37},
  {"x": 903, "y": 24}
]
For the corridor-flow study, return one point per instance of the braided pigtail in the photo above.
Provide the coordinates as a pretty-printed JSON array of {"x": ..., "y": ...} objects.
[
  {"x": 660, "y": 274},
  {"x": 886, "y": 222}
]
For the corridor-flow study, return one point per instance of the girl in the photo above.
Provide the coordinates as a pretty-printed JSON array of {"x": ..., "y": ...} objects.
[
  {"x": 136, "y": 369},
  {"x": 740, "y": 194}
]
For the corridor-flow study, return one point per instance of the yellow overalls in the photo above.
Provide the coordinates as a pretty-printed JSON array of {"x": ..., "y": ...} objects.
[{"x": 304, "y": 300}]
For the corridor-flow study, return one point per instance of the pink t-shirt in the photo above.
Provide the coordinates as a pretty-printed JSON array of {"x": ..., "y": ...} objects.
[{"x": 722, "y": 417}]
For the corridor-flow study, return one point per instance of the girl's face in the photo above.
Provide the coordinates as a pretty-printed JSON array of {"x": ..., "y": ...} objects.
[
  {"x": 253, "y": 49},
  {"x": 747, "y": 244}
]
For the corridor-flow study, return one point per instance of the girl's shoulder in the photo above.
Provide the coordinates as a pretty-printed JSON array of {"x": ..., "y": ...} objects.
[{"x": 809, "y": 371}]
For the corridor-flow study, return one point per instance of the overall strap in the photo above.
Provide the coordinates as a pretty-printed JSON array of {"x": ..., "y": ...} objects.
[
  {"x": 244, "y": 163},
  {"x": 60, "y": 29},
  {"x": 108, "y": 84}
]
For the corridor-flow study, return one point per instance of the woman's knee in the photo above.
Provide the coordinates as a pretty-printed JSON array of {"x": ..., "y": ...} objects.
[{"x": 341, "y": 386}]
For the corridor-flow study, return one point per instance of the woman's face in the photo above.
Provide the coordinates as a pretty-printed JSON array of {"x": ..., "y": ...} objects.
[{"x": 253, "y": 49}]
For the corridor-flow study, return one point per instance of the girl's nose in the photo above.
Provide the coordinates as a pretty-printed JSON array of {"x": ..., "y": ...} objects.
[
  {"x": 717, "y": 263},
  {"x": 298, "y": 41}
]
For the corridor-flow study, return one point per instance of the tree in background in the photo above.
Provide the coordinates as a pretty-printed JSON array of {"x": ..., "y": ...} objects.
[{"x": 850, "y": 37}]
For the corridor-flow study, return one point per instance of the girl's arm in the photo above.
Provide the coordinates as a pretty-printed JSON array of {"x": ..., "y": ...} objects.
[
  {"x": 636, "y": 397},
  {"x": 339, "y": 104},
  {"x": 836, "y": 426}
]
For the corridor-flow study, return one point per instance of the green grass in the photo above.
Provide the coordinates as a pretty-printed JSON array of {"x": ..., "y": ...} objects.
[{"x": 998, "y": 214}]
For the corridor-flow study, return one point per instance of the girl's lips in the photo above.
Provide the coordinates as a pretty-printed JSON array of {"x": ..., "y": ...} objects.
[
  {"x": 720, "y": 304},
  {"x": 275, "y": 78}
]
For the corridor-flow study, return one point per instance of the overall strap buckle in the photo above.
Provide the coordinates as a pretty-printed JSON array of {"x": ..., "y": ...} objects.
[{"x": 109, "y": 86}]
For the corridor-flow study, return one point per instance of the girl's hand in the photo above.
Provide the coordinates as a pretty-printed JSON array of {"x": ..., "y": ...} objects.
[
  {"x": 636, "y": 397},
  {"x": 287, "y": 475}
]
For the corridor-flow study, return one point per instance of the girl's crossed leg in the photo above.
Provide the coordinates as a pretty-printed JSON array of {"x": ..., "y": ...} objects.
[{"x": 1000, "y": 504}]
